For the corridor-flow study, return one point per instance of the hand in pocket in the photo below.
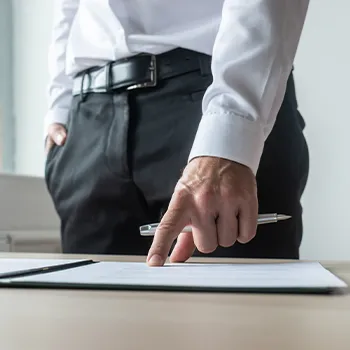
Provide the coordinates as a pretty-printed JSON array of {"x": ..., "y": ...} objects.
[{"x": 57, "y": 134}]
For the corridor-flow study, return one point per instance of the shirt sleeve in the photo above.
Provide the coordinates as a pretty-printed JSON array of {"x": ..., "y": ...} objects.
[
  {"x": 252, "y": 58},
  {"x": 60, "y": 85}
]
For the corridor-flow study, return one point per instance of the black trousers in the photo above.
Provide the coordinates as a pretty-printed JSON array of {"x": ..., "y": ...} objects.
[{"x": 125, "y": 152}]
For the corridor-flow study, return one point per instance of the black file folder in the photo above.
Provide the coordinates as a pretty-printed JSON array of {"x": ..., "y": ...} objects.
[{"x": 295, "y": 277}]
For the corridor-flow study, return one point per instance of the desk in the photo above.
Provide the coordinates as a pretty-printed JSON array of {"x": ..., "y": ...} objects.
[{"x": 91, "y": 320}]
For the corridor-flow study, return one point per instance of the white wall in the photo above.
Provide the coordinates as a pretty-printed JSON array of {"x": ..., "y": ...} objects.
[
  {"x": 6, "y": 117},
  {"x": 322, "y": 78},
  {"x": 32, "y": 24}
]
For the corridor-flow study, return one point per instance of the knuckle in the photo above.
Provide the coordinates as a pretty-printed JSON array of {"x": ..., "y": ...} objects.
[
  {"x": 48, "y": 140},
  {"x": 207, "y": 249},
  {"x": 164, "y": 227},
  {"x": 242, "y": 240},
  {"x": 246, "y": 195},
  {"x": 54, "y": 128},
  {"x": 205, "y": 196},
  {"x": 205, "y": 241},
  {"x": 225, "y": 243},
  {"x": 181, "y": 192},
  {"x": 246, "y": 236},
  {"x": 228, "y": 193},
  {"x": 49, "y": 143},
  {"x": 228, "y": 240}
]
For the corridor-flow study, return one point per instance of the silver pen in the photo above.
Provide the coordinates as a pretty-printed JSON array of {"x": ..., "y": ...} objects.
[{"x": 150, "y": 229}]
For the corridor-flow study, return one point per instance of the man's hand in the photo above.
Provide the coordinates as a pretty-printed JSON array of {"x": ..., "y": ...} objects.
[
  {"x": 218, "y": 198},
  {"x": 56, "y": 135}
]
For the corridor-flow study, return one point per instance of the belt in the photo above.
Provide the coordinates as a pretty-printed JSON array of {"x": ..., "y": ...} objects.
[{"x": 140, "y": 71}]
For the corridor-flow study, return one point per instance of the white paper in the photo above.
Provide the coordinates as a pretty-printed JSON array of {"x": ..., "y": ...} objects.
[
  {"x": 282, "y": 275},
  {"x": 15, "y": 265}
]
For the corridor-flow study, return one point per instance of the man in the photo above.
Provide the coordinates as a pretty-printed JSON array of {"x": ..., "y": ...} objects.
[{"x": 180, "y": 111}]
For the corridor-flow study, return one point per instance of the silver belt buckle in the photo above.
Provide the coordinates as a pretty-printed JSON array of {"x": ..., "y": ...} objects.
[{"x": 153, "y": 72}]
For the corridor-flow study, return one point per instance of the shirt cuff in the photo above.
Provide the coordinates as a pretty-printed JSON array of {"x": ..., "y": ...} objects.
[
  {"x": 58, "y": 115},
  {"x": 230, "y": 137}
]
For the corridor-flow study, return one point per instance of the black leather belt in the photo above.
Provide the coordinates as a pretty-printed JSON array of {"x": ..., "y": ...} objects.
[{"x": 140, "y": 71}]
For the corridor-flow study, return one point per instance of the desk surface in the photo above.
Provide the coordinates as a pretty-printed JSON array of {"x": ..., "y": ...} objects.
[{"x": 84, "y": 320}]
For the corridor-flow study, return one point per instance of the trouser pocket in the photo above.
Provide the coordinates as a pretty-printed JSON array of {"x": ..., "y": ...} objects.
[{"x": 71, "y": 168}]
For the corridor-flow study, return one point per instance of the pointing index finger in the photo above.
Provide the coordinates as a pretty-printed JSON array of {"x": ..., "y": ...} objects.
[{"x": 174, "y": 220}]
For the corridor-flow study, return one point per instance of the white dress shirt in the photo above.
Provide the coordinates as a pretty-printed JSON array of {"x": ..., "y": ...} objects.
[{"x": 252, "y": 42}]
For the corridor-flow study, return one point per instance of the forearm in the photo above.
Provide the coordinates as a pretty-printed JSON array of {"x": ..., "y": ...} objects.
[{"x": 252, "y": 58}]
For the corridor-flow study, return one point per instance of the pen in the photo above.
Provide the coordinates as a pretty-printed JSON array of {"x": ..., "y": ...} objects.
[{"x": 150, "y": 229}]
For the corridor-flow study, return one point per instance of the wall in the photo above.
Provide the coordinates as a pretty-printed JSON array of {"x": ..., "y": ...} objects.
[
  {"x": 322, "y": 76},
  {"x": 28, "y": 200},
  {"x": 27, "y": 216},
  {"x": 32, "y": 24},
  {"x": 6, "y": 117}
]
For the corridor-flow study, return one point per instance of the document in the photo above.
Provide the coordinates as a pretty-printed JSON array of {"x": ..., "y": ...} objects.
[
  {"x": 8, "y": 266},
  {"x": 231, "y": 277}
]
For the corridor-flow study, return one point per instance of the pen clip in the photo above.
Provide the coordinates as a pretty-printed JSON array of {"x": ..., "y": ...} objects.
[{"x": 148, "y": 230}]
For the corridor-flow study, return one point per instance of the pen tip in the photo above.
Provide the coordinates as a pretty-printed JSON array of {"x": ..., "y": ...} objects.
[{"x": 283, "y": 217}]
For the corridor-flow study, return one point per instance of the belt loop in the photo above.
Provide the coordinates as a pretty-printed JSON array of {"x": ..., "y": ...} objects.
[
  {"x": 82, "y": 95},
  {"x": 204, "y": 65},
  {"x": 108, "y": 72}
]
